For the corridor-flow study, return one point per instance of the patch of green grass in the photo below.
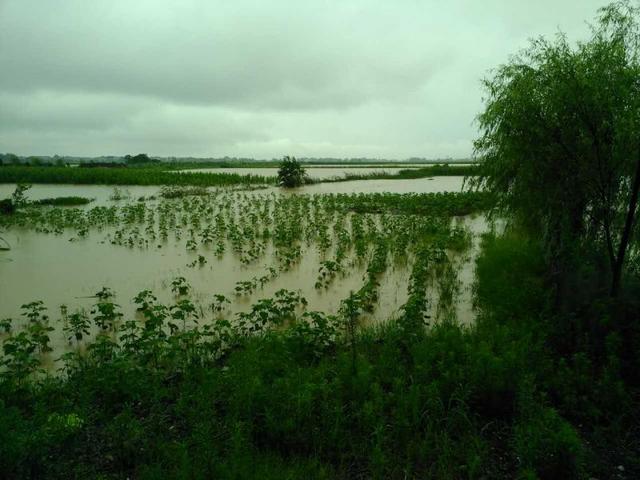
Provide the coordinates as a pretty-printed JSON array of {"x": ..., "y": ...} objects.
[
  {"x": 412, "y": 173},
  {"x": 151, "y": 175},
  {"x": 62, "y": 201}
]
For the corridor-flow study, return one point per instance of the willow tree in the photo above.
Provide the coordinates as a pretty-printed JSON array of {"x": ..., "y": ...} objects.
[{"x": 560, "y": 140}]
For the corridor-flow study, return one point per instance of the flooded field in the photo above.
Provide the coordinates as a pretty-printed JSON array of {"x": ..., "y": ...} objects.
[
  {"x": 418, "y": 185},
  {"x": 102, "y": 194},
  {"x": 229, "y": 253},
  {"x": 314, "y": 172}
]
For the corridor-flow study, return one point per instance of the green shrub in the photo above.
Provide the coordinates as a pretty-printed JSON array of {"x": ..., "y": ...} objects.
[
  {"x": 6, "y": 207},
  {"x": 291, "y": 173},
  {"x": 548, "y": 445}
]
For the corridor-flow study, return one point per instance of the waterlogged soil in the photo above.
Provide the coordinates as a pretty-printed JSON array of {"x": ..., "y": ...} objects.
[{"x": 64, "y": 256}]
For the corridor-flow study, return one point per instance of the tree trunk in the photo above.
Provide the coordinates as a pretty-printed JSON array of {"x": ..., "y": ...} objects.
[{"x": 626, "y": 233}]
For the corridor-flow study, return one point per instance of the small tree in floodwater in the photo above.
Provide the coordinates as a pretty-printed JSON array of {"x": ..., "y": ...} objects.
[
  {"x": 18, "y": 200},
  {"x": 560, "y": 143},
  {"x": 291, "y": 173}
]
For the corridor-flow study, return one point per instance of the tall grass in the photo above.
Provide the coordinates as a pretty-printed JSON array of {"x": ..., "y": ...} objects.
[
  {"x": 171, "y": 175},
  {"x": 411, "y": 173},
  {"x": 124, "y": 176}
]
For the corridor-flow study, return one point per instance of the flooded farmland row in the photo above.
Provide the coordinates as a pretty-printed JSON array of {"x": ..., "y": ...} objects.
[{"x": 227, "y": 250}]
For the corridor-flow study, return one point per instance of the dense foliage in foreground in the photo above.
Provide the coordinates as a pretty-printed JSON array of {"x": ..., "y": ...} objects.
[{"x": 312, "y": 399}]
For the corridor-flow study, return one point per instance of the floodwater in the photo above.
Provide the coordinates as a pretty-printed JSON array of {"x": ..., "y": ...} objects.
[
  {"x": 60, "y": 272},
  {"x": 316, "y": 173},
  {"x": 65, "y": 270},
  {"x": 102, "y": 193}
]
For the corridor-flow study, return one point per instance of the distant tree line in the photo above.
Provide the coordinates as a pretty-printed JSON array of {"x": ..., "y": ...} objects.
[
  {"x": 59, "y": 161},
  {"x": 145, "y": 159},
  {"x": 140, "y": 159}
]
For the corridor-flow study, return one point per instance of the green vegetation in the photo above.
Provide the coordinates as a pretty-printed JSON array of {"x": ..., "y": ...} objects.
[
  {"x": 224, "y": 162},
  {"x": 161, "y": 174},
  {"x": 544, "y": 384},
  {"x": 155, "y": 175},
  {"x": 413, "y": 173},
  {"x": 317, "y": 164},
  {"x": 170, "y": 397},
  {"x": 433, "y": 204},
  {"x": 177, "y": 381},
  {"x": 140, "y": 159},
  {"x": 19, "y": 200},
  {"x": 6, "y": 207},
  {"x": 168, "y": 339},
  {"x": 63, "y": 201},
  {"x": 560, "y": 143},
  {"x": 291, "y": 174}
]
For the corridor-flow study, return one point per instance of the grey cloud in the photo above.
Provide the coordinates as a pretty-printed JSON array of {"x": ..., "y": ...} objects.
[
  {"x": 257, "y": 78},
  {"x": 268, "y": 59}
]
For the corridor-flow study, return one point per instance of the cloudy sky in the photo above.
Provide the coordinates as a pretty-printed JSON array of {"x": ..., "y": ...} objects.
[{"x": 387, "y": 79}]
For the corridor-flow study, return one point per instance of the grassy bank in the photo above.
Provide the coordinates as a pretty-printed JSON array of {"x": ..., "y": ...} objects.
[
  {"x": 316, "y": 399},
  {"x": 161, "y": 175},
  {"x": 412, "y": 173},
  {"x": 124, "y": 176},
  {"x": 62, "y": 201}
]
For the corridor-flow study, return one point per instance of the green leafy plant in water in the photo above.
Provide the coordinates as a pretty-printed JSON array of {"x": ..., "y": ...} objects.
[
  {"x": 38, "y": 325},
  {"x": 180, "y": 286},
  {"x": 201, "y": 261},
  {"x": 245, "y": 287},
  {"x": 77, "y": 327},
  {"x": 18, "y": 198},
  {"x": 144, "y": 300},
  {"x": 269, "y": 312},
  {"x": 327, "y": 272},
  {"x": 105, "y": 312},
  {"x": 182, "y": 311},
  {"x": 119, "y": 194},
  {"x": 219, "y": 303},
  {"x": 19, "y": 359},
  {"x": 6, "y": 325}
]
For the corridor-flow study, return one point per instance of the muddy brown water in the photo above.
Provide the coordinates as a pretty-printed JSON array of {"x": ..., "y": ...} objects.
[
  {"x": 102, "y": 193},
  {"x": 62, "y": 270}
]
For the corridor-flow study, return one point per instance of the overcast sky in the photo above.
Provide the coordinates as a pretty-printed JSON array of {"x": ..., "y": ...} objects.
[{"x": 388, "y": 79}]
